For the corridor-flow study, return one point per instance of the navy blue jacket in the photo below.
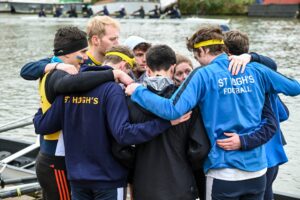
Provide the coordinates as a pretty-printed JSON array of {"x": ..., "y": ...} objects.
[{"x": 88, "y": 121}]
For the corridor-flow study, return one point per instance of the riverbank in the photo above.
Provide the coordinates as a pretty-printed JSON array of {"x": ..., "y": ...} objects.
[{"x": 214, "y": 7}]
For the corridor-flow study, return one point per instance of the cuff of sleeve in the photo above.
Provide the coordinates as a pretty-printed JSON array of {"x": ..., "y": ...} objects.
[
  {"x": 165, "y": 124},
  {"x": 110, "y": 75},
  {"x": 134, "y": 95},
  {"x": 243, "y": 142},
  {"x": 253, "y": 57}
]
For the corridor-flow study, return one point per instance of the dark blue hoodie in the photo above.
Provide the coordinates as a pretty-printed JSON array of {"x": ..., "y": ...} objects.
[{"x": 89, "y": 121}]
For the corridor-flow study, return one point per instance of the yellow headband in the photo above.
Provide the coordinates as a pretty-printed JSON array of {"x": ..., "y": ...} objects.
[
  {"x": 207, "y": 43},
  {"x": 126, "y": 58}
]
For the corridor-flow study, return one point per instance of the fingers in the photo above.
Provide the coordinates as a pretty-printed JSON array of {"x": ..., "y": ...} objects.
[
  {"x": 244, "y": 67},
  {"x": 229, "y": 134},
  {"x": 186, "y": 116},
  {"x": 183, "y": 118},
  {"x": 230, "y": 64}
]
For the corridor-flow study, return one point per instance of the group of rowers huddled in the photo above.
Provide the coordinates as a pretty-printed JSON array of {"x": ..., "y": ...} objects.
[{"x": 139, "y": 115}]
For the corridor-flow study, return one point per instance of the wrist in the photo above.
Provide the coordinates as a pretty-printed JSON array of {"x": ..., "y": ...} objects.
[{"x": 55, "y": 66}]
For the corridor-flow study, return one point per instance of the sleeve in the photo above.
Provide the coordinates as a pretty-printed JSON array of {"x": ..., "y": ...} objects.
[
  {"x": 278, "y": 83},
  {"x": 183, "y": 100},
  {"x": 81, "y": 82},
  {"x": 117, "y": 115},
  {"x": 283, "y": 111},
  {"x": 51, "y": 121},
  {"x": 264, "y": 132},
  {"x": 263, "y": 60},
  {"x": 34, "y": 70}
]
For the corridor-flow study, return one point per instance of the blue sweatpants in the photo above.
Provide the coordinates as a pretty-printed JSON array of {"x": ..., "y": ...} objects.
[{"x": 271, "y": 176}]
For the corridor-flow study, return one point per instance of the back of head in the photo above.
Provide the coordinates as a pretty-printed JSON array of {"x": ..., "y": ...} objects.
[
  {"x": 69, "y": 39},
  {"x": 208, "y": 38},
  {"x": 160, "y": 57},
  {"x": 96, "y": 25},
  {"x": 236, "y": 42},
  {"x": 137, "y": 43},
  {"x": 119, "y": 53}
]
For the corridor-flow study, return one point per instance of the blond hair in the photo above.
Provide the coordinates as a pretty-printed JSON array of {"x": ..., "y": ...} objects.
[
  {"x": 116, "y": 59},
  {"x": 96, "y": 26}
]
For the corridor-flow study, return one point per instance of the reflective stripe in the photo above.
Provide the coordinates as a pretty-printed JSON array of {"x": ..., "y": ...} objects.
[
  {"x": 184, "y": 85},
  {"x": 62, "y": 185}
]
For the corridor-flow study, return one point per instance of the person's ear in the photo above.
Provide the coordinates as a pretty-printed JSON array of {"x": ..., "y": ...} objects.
[
  {"x": 149, "y": 71},
  {"x": 123, "y": 66},
  {"x": 96, "y": 40},
  {"x": 206, "y": 50}
]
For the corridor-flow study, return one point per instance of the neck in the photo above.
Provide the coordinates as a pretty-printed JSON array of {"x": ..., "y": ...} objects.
[
  {"x": 138, "y": 73},
  {"x": 160, "y": 73},
  {"x": 210, "y": 57},
  {"x": 95, "y": 56}
]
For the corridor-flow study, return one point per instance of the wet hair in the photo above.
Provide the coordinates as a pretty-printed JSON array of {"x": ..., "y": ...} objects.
[
  {"x": 142, "y": 46},
  {"x": 160, "y": 57},
  {"x": 182, "y": 59},
  {"x": 236, "y": 42},
  {"x": 68, "y": 40},
  {"x": 116, "y": 59},
  {"x": 96, "y": 26},
  {"x": 204, "y": 34}
]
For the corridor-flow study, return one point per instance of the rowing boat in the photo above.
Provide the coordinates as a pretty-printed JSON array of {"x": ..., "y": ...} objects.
[{"x": 19, "y": 174}]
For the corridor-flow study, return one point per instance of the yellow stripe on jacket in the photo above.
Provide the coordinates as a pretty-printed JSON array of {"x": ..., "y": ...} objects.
[{"x": 45, "y": 105}]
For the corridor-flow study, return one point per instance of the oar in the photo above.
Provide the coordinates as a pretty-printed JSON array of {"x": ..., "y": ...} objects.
[
  {"x": 31, "y": 179},
  {"x": 13, "y": 122},
  {"x": 28, "y": 165},
  {"x": 20, "y": 190},
  {"x": 15, "y": 126},
  {"x": 21, "y": 152}
]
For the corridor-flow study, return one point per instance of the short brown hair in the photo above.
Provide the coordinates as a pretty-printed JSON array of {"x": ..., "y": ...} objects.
[
  {"x": 96, "y": 26},
  {"x": 204, "y": 34},
  {"x": 142, "y": 46},
  {"x": 116, "y": 59},
  {"x": 181, "y": 58},
  {"x": 236, "y": 42}
]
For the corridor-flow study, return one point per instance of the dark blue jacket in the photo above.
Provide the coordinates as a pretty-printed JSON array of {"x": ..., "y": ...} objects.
[{"x": 89, "y": 120}]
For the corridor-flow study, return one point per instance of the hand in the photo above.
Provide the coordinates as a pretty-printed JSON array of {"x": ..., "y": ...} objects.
[
  {"x": 131, "y": 88},
  {"x": 70, "y": 69},
  {"x": 122, "y": 77},
  {"x": 238, "y": 63},
  {"x": 181, "y": 119},
  {"x": 231, "y": 143}
]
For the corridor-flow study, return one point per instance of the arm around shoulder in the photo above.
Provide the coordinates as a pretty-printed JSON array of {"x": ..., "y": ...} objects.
[{"x": 34, "y": 70}]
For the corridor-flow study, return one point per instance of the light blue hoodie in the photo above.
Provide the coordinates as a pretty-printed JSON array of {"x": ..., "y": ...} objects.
[{"x": 227, "y": 103}]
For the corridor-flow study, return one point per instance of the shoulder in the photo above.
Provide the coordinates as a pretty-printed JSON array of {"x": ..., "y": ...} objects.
[{"x": 112, "y": 88}]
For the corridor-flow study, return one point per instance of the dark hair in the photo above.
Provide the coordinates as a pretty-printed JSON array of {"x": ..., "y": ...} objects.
[
  {"x": 142, "y": 47},
  {"x": 160, "y": 57},
  {"x": 68, "y": 40},
  {"x": 207, "y": 33},
  {"x": 236, "y": 42}
]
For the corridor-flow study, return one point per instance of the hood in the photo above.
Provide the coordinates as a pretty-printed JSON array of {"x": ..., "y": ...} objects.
[{"x": 159, "y": 84}]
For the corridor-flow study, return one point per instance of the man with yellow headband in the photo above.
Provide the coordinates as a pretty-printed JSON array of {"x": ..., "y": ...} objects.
[
  {"x": 228, "y": 103},
  {"x": 89, "y": 122}
]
